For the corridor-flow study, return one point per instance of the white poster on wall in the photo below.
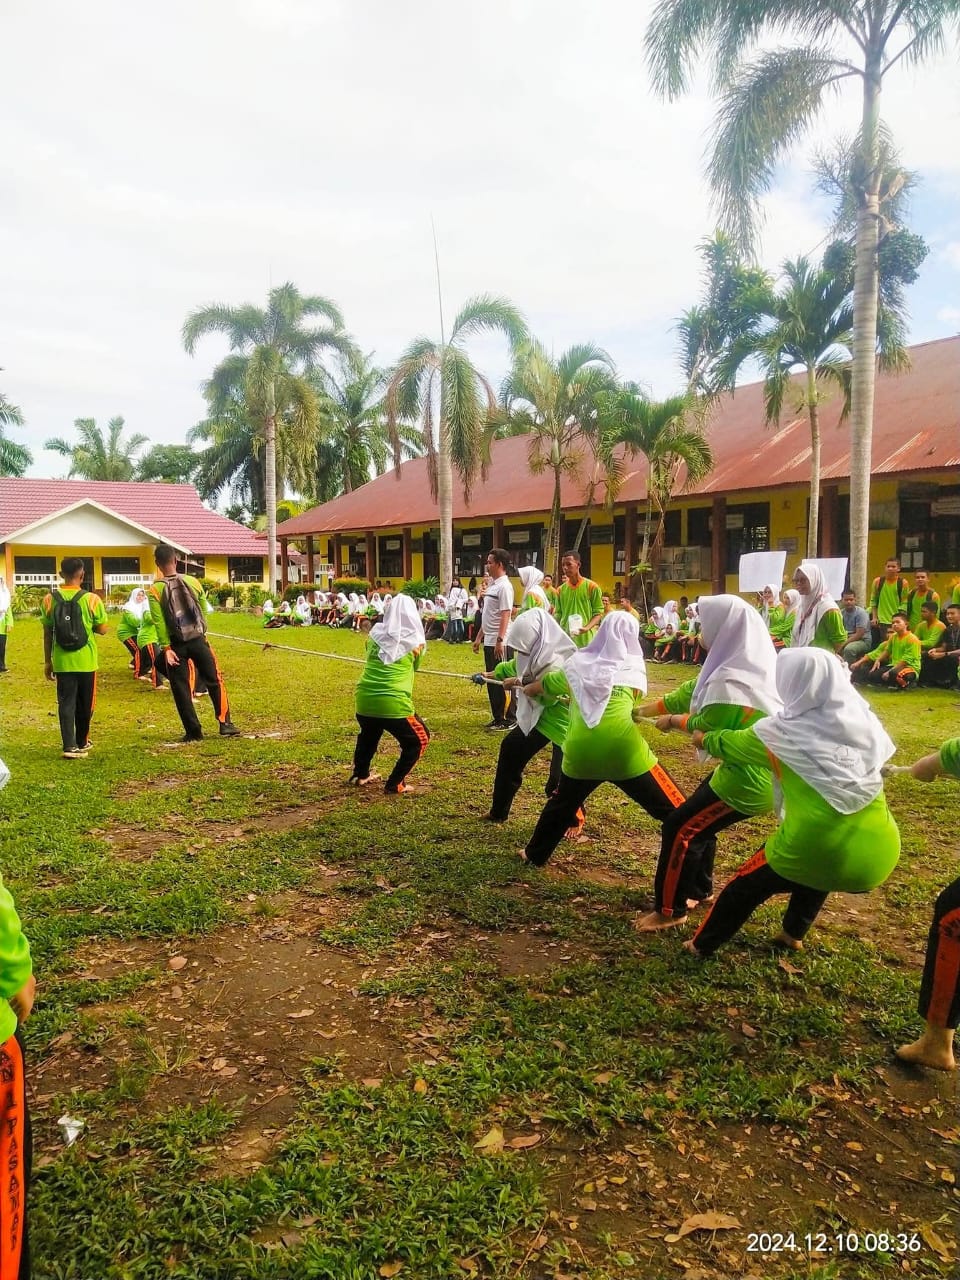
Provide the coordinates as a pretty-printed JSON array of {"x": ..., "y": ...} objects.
[
  {"x": 834, "y": 572},
  {"x": 759, "y": 569}
]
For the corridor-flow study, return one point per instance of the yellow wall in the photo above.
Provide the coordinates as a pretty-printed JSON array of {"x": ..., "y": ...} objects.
[{"x": 215, "y": 566}]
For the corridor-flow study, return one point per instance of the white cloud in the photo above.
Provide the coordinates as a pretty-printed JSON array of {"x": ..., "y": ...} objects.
[
  {"x": 949, "y": 315},
  {"x": 951, "y": 253}
]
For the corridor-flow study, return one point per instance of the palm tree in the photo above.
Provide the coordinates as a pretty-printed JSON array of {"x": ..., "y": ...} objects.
[
  {"x": 667, "y": 434},
  {"x": 169, "y": 463},
  {"x": 436, "y": 385},
  {"x": 768, "y": 99},
  {"x": 806, "y": 326},
  {"x": 97, "y": 456},
  {"x": 551, "y": 401},
  {"x": 355, "y": 442},
  {"x": 272, "y": 349},
  {"x": 14, "y": 458}
]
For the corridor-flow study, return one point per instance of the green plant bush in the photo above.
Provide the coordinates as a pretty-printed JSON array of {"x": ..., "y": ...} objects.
[
  {"x": 27, "y": 600},
  {"x": 360, "y": 585},
  {"x": 255, "y": 595},
  {"x": 421, "y": 588}
]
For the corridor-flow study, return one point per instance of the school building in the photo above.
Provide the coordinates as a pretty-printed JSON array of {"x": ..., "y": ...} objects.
[
  {"x": 755, "y": 499},
  {"x": 114, "y": 526}
]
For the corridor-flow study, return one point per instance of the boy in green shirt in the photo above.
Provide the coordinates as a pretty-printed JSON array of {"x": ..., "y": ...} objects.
[
  {"x": 580, "y": 606},
  {"x": 887, "y": 597},
  {"x": 71, "y": 616},
  {"x": 17, "y": 991},
  {"x": 894, "y": 664},
  {"x": 921, "y": 594},
  {"x": 6, "y": 621}
]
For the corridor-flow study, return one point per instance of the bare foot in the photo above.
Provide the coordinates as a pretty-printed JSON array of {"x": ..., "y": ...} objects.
[
  {"x": 522, "y": 855},
  {"x": 364, "y": 782},
  {"x": 694, "y": 903},
  {"x": 688, "y": 946},
  {"x": 654, "y": 922},
  {"x": 933, "y": 1049},
  {"x": 783, "y": 939}
]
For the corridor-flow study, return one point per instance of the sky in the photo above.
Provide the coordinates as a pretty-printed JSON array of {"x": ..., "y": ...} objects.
[{"x": 159, "y": 159}]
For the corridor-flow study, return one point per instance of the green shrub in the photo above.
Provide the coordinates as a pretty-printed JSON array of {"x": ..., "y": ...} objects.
[
  {"x": 421, "y": 588},
  {"x": 255, "y": 595},
  {"x": 212, "y": 589},
  {"x": 25, "y": 600},
  {"x": 360, "y": 585}
]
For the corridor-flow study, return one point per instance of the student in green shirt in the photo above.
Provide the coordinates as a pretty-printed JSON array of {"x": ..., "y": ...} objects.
[
  {"x": 6, "y": 621},
  {"x": 604, "y": 682},
  {"x": 540, "y": 647},
  {"x": 736, "y": 688},
  {"x": 887, "y": 597},
  {"x": 939, "y": 1004},
  {"x": 384, "y": 695},
  {"x": 826, "y": 749},
  {"x": 580, "y": 607},
  {"x": 921, "y": 593},
  {"x": 151, "y": 656},
  {"x": 819, "y": 622},
  {"x": 894, "y": 664},
  {"x": 68, "y": 615},
  {"x": 930, "y": 629},
  {"x": 17, "y": 993},
  {"x": 551, "y": 592}
]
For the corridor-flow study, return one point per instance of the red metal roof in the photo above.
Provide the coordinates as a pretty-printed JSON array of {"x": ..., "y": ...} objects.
[
  {"x": 173, "y": 511},
  {"x": 916, "y": 428}
]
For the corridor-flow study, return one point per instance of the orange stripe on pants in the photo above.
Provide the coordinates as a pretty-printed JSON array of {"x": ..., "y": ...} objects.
[
  {"x": 668, "y": 786},
  {"x": 946, "y": 970},
  {"x": 13, "y": 1189},
  {"x": 224, "y": 715},
  {"x": 758, "y": 859},
  {"x": 93, "y": 707},
  {"x": 681, "y": 847},
  {"x": 420, "y": 731}
]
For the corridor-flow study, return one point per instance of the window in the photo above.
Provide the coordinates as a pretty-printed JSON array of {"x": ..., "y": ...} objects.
[
  {"x": 115, "y": 566},
  {"x": 928, "y": 536},
  {"x": 698, "y": 527},
  {"x": 390, "y": 556},
  {"x": 245, "y": 568},
  {"x": 748, "y": 529},
  {"x": 525, "y": 543},
  {"x": 196, "y": 566},
  {"x": 34, "y": 565},
  {"x": 470, "y": 547}
]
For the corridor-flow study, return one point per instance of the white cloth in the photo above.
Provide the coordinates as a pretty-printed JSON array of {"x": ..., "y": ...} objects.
[
  {"x": 138, "y": 604},
  {"x": 400, "y": 632},
  {"x": 302, "y": 610},
  {"x": 658, "y": 616},
  {"x": 541, "y": 645},
  {"x": 353, "y": 603},
  {"x": 4, "y": 775},
  {"x": 741, "y": 663},
  {"x": 613, "y": 657},
  {"x": 671, "y": 617},
  {"x": 377, "y": 601},
  {"x": 765, "y": 605},
  {"x": 531, "y": 577},
  {"x": 826, "y": 732},
  {"x": 456, "y": 603},
  {"x": 813, "y": 606},
  {"x": 4, "y": 597},
  {"x": 497, "y": 600},
  {"x": 791, "y": 600},
  {"x": 268, "y": 607}
]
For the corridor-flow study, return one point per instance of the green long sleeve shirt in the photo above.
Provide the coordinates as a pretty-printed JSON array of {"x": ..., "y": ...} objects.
[
  {"x": 898, "y": 649},
  {"x": 554, "y": 718},
  {"x": 612, "y": 750},
  {"x": 15, "y": 963}
]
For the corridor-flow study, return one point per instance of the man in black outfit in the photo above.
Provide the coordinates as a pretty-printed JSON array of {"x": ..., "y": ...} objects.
[{"x": 186, "y": 650}]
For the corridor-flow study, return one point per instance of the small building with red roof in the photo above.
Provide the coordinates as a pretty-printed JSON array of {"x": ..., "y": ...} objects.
[{"x": 114, "y": 526}]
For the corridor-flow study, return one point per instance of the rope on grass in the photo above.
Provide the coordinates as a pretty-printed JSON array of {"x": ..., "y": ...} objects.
[{"x": 342, "y": 657}]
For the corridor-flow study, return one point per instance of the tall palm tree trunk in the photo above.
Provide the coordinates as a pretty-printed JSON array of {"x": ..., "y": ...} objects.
[
  {"x": 445, "y": 503},
  {"x": 863, "y": 371},
  {"x": 551, "y": 555},
  {"x": 270, "y": 485},
  {"x": 813, "y": 409}
]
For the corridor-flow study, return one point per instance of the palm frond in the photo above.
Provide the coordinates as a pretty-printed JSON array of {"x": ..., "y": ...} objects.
[{"x": 488, "y": 314}]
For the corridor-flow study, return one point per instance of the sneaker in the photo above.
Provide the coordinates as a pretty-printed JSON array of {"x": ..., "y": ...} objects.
[
  {"x": 500, "y": 726},
  {"x": 491, "y": 724},
  {"x": 76, "y": 753},
  {"x": 229, "y": 730},
  {"x": 398, "y": 789},
  {"x": 86, "y": 746}
]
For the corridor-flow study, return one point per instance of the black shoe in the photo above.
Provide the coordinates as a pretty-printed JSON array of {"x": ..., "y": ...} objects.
[
  {"x": 192, "y": 737},
  {"x": 229, "y": 730},
  {"x": 501, "y": 726}
]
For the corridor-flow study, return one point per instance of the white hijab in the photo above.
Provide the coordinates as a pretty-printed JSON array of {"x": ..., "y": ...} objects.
[
  {"x": 302, "y": 610},
  {"x": 826, "y": 732},
  {"x": 764, "y": 607},
  {"x": 377, "y": 601},
  {"x": 531, "y": 577},
  {"x": 139, "y": 608},
  {"x": 4, "y": 596},
  {"x": 740, "y": 667},
  {"x": 268, "y": 606},
  {"x": 613, "y": 657},
  {"x": 541, "y": 645},
  {"x": 671, "y": 616},
  {"x": 400, "y": 631},
  {"x": 658, "y": 616},
  {"x": 792, "y": 601},
  {"x": 812, "y": 607}
]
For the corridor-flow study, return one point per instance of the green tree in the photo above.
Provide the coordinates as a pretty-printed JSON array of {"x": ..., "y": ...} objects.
[
  {"x": 272, "y": 348},
  {"x": 768, "y": 99},
  {"x": 96, "y": 456},
  {"x": 550, "y": 401},
  {"x": 169, "y": 463},
  {"x": 355, "y": 441},
  {"x": 14, "y": 458},
  {"x": 669, "y": 435},
  {"x": 435, "y": 385}
]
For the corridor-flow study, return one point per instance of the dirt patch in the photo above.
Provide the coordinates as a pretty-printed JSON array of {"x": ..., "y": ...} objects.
[{"x": 139, "y": 844}]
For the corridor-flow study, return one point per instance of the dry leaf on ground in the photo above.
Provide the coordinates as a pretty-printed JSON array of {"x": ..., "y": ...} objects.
[
  {"x": 491, "y": 1144},
  {"x": 708, "y": 1222}
]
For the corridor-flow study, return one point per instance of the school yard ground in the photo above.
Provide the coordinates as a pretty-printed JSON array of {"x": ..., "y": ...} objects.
[{"x": 312, "y": 1032}]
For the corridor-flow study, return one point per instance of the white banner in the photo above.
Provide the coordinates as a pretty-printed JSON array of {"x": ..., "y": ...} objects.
[
  {"x": 834, "y": 572},
  {"x": 759, "y": 569}
]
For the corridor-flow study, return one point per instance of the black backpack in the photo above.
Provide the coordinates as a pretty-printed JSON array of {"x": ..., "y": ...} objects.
[
  {"x": 69, "y": 629},
  {"x": 181, "y": 611}
]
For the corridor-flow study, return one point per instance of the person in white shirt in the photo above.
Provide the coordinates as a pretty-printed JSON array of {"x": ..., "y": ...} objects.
[
  {"x": 456, "y": 604},
  {"x": 497, "y": 614}
]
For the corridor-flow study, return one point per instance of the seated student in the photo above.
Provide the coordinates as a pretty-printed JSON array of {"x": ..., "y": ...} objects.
[
  {"x": 267, "y": 608},
  {"x": 652, "y": 630},
  {"x": 626, "y": 605},
  {"x": 938, "y": 667},
  {"x": 929, "y": 632},
  {"x": 818, "y": 622},
  {"x": 691, "y": 646},
  {"x": 826, "y": 748},
  {"x": 384, "y": 695},
  {"x": 781, "y": 627},
  {"x": 663, "y": 642},
  {"x": 895, "y": 663},
  {"x": 920, "y": 594},
  {"x": 856, "y": 624},
  {"x": 604, "y": 680},
  {"x": 302, "y": 615},
  {"x": 940, "y": 985},
  {"x": 541, "y": 646},
  {"x": 736, "y": 688}
]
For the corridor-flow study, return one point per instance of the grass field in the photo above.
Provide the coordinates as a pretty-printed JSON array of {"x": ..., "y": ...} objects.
[{"x": 319, "y": 1033}]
